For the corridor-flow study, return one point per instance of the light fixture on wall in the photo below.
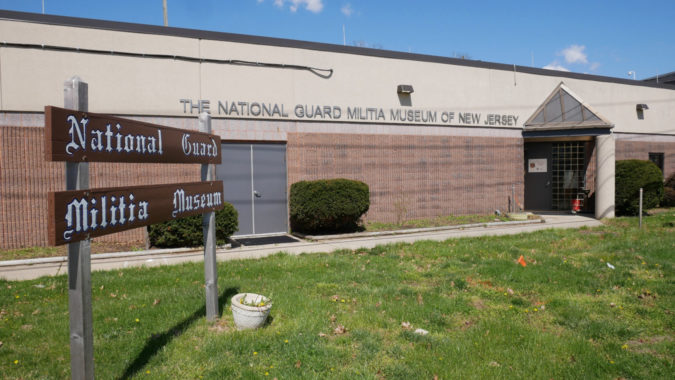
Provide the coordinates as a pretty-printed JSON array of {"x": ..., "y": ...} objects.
[
  {"x": 641, "y": 107},
  {"x": 405, "y": 89}
]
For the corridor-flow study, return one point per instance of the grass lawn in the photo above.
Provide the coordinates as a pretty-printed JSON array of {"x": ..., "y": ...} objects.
[
  {"x": 352, "y": 314},
  {"x": 440, "y": 221}
]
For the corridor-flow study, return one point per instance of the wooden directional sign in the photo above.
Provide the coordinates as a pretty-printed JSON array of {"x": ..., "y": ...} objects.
[
  {"x": 78, "y": 214},
  {"x": 88, "y": 137}
]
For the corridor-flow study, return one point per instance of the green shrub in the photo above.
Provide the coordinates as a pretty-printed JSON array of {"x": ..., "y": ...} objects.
[
  {"x": 631, "y": 175},
  {"x": 325, "y": 206},
  {"x": 669, "y": 190},
  {"x": 187, "y": 232}
]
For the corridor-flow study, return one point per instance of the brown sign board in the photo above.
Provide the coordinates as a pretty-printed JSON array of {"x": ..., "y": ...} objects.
[
  {"x": 78, "y": 214},
  {"x": 88, "y": 137}
]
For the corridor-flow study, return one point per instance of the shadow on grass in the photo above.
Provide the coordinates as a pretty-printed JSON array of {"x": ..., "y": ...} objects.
[{"x": 157, "y": 341}]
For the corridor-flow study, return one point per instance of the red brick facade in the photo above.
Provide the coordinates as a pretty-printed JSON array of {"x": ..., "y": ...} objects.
[
  {"x": 412, "y": 177},
  {"x": 639, "y": 150},
  {"x": 26, "y": 179}
]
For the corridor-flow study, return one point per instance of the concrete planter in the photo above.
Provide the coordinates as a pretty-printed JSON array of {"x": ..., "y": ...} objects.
[{"x": 250, "y": 317}]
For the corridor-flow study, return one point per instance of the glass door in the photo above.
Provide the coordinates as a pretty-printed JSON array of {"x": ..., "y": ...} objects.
[{"x": 569, "y": 173}]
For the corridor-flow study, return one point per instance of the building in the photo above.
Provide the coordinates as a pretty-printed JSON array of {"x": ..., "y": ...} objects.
[
  {"x": 430, "y": 135},
  {"x": 668, "y": 78}
]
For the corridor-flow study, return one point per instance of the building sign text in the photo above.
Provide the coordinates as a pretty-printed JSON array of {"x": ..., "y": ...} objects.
[{"x": 241, "y": 109}]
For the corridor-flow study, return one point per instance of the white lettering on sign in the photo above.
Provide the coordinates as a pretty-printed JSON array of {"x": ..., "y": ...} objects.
[
  {"x": 78, "y": 130},
  {"x": 110, "y": 140},
  {"x": 192, "y": 202},
  {"x": 89, "y": 214},
  {"x": 198, "y": 148}
]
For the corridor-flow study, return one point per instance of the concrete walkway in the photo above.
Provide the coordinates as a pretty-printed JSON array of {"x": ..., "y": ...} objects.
[{"x": 34, "y": 268}]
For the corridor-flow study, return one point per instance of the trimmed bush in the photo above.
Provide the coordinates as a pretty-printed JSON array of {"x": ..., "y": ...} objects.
[
  {"x": 187, "y": 232},
  {"x": 631, "y": 175},
  {"x": 327, "y": 206},
  {"x": 669, "y": 190}
]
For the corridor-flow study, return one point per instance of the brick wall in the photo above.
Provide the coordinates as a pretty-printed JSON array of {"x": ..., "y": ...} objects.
[
  {"x": 26, "y": 178},
  {"x": 410, "y": 176},
  {"x": 414, "y": 177},
  {"x": 639, "y": 150}
]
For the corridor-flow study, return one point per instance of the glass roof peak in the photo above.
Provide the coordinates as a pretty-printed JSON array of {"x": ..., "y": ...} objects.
[{"x": 565, "y": 110}]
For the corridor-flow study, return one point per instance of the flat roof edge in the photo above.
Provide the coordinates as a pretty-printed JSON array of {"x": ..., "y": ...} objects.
[
  {"x": 565, "y": 126},
  {"x": 568, "y": 132},
  {"x": 318, "y": 46}
]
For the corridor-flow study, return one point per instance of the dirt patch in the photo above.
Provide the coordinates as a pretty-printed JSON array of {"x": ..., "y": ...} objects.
[
  {"x": 467, "y": 324},
  {"x": 478, "y": 303},
  {"x": 643, "y": 345},
  {"x": 591, "y": 232},
  {"x": 649, "y": 340},
  {"x": 221, "y": 326},
  {"x": 656, "y": 211},
  {"x": 479, "y": 283},
  {"x": 106, "y": 247}
]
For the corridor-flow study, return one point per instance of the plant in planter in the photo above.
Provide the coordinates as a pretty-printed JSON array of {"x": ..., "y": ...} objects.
[{"x": 250, "y": 310}]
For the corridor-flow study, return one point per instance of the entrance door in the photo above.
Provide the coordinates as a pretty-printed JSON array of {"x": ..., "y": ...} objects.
[
  {"x": 254, "y": 181},
  {"x": 569, "y": 173},
  {"x": 538, "y": 176}
]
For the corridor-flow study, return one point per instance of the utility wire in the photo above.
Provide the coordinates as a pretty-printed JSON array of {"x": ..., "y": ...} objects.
[{"x": 323, "y": 73}]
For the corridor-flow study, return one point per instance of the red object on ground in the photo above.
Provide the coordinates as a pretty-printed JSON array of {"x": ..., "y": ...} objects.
[
  {"x": 521, "y": 261},
  {"x": 576, "y": 205}
]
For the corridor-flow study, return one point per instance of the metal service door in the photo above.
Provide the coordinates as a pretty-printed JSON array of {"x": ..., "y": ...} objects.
[
  {"x": 270, "y": 213},
  {"x": 538, "y": 176},
  {"x": 254, "y": 181}
]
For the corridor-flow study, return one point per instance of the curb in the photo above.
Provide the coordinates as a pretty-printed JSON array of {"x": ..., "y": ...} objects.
[
  {"x": 98, "y": 256},
  {"x": 415, "y": 230}
]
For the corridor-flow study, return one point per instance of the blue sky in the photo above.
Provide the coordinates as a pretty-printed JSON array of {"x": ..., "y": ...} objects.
[{"x": 610, "y": 37}]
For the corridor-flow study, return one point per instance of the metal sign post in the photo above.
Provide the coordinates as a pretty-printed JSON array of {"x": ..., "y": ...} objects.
[
  {"x": 209, "y": 228},
  {"x": 75, "y": 94},
  {"x": 640, "y": 207}
]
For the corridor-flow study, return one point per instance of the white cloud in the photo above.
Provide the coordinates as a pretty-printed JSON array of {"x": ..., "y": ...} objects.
[
  {"x": 575, "y": 54},
  {"x": 347, "y": 9},
  {"x": 555, "y": 66},
  {"x": 314, "y": 6}
]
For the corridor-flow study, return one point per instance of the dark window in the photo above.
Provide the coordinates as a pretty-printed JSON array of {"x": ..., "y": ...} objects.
[{"x": 657, "y": 158}]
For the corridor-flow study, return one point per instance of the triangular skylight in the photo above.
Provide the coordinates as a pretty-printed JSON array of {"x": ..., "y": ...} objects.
[{"x": 564, "y": 110}]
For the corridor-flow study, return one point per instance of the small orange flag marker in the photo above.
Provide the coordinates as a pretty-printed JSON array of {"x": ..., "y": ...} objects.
[{"x": 521, "y": 261}]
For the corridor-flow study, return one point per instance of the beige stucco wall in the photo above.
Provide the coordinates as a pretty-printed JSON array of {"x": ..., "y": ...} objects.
[{"x": 31, "y": 79}]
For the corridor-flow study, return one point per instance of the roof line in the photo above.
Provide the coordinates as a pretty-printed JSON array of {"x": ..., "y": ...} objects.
[
  {"x": 660, "y": 76},
  {"x": 317, "y": 46}
]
